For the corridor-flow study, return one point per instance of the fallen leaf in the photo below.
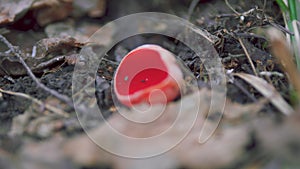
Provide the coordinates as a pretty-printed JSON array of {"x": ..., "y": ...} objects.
[
  {"x": 19, "y": 124},
  {"x": 50, "y": 45},
  {"x": 280, "y": 140},
  {"x": 11, "y": 66},
  {"x": 38, "y": 121},
  {"x": 273, "y": 139},
  {"x": 46, "y": 155},
  {"x": 45, "y": 3},
  {"x": 268, "y": 91},
  {"x": 226, "y": 144},
  {"x": 235, "y": 111},
  {"x": 10, "y": 10},
  {"x": 60, "y": 47},
  {"x": 282, "y": 52},
  {"x": 53, "y": 10}
]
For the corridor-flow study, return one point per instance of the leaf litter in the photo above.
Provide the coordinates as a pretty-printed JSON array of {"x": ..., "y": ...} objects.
[{"x": 219, "y": 146}]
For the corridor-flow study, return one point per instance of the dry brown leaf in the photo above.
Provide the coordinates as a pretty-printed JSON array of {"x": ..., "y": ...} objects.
[
  {"x": 60, "y": 47},
  {"x": 268, "y": 91},
  {"x": 280, "y": 139},
  {"x": 11, "y": 66},
  {"x": 227, "y": 144},
  {"x": 235, "y": 111},
  {"x": 49, "y": 45},
  {"x": 12, "y": 9},
  {"x": 40, "y": 126},
  {"x": 46, "y": 155},
  {"x": 47, "y": 11},
  {"x": 44, "y": 3},
  {"x": 19, "y": 124},
  {"x": 38, "y": 121},
  {"x": 50, "y": 11},
  {"x": 282, "y": 52}
]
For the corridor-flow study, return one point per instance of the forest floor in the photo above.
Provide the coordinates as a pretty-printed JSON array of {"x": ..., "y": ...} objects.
[{"x": 40, "y": 129}]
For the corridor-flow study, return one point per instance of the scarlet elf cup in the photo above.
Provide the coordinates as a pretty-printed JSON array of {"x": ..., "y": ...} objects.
[{"x": 143, "y": 71}]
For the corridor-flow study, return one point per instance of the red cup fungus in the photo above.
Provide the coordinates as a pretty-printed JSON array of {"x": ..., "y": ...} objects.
[{"x": 145, "y": 70}]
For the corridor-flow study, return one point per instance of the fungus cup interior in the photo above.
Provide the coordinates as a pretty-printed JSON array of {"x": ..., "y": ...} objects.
[{"x": 143, "y": 70}]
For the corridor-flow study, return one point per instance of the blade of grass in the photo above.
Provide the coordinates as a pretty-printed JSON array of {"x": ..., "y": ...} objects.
[
  {"x": 292, "y": 9},
  {"x": 282, "y": 5},
  {"x": 289, "y": 11},
  {"x": 293, "y": 27}
]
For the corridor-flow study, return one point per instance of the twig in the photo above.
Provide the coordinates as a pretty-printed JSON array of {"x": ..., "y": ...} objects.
[
  {"x": 227, "y": 3},
  {"x": 266, "y": 73},
  {"x": 49, "y": 62},
  {"x": 237, "y": 14},
  {"x": 110, "y": 61},
  {"x": 264, "y": 5},
  {"x": 61, "y": 97},
  {"x": 40, "y": 103},
  {"x": 249, "y": 35},
  {"x": 225, "y": 15},
  {"x": 248, "y": 56},
  {"x": 249, "y": 11},
  {"x": 191, "y": 8},
  {"x": 10, "y": 79},
  {"x": 285, "y": 30},
  {"x": 5, "y": 54},
  {"x": 296, "y": 43},
  {"x": 231, "y": 56}
]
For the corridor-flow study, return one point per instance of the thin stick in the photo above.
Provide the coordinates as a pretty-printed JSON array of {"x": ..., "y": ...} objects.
[
  {"x": 4, "y": 54},
  {"x": 40, "y": 103},
  {"x": 286, "y": 30},
  {"x": 61, "y": 97},
  {"x": 296, "y": 43},
  {"x": 248, "y": 56},
  {"x": 227, "y": 3},
  {"x": 266, "y": 73},
  {"x": 231, "y": 56},
  {"x": 110, "y": 61},
  {"x": 264, "y": 5},
  {"x": 191, "y": 8}
]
